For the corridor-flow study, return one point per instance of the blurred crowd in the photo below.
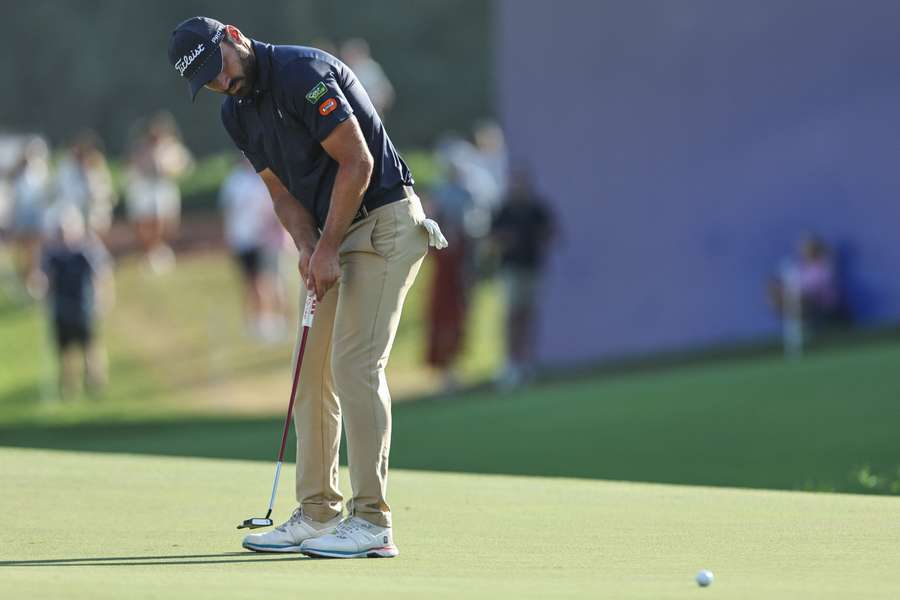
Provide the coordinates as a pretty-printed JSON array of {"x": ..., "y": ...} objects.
[
  {"x": 57, "y": 209},
  {"x": 56, "y": 222},
  {"x": 56, "y": 217},
  {"x": 497, "y": 225}
]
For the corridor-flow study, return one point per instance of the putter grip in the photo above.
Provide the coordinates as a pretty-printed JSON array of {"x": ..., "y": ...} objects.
[{"x": 309, "y": 310}]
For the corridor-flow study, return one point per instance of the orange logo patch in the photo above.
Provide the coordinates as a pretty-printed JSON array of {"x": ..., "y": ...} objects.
[{"x": 327, "y": 107}]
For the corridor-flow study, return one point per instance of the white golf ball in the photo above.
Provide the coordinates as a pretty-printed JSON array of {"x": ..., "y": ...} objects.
[{"x": 704, "y": 578}]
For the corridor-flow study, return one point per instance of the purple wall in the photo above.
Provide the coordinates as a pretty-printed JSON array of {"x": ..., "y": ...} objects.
[{"x": 687, "y": 145}]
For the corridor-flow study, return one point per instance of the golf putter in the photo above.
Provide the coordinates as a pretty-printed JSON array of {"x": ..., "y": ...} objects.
[{"x": 309, "y": 310}]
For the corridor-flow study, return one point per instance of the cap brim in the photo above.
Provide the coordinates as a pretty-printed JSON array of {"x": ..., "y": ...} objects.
[{"x": 208, "y": 71}]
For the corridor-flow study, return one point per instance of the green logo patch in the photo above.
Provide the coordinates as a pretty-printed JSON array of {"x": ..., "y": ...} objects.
[{"x": 313, "y": 95}]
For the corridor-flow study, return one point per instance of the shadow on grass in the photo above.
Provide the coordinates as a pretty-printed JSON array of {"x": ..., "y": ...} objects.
[{"x": 131, "y": 561}]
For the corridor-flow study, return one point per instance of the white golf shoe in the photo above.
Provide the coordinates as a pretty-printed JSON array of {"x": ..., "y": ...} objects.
[
  {"x": 288, "y": 536},
  {"x": 353, "y": 538}
]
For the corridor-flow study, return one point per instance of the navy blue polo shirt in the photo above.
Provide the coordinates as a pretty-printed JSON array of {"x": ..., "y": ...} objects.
[{"x": 301, "y": 94}]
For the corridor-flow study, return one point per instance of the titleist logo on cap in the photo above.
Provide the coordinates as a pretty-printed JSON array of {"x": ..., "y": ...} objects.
[{"x": 185, "y": 61}]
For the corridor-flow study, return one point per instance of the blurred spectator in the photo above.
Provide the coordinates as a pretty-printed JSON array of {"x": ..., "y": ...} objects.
[
  {"x": 806, "y": 293},
  {"x": 10, "y": 155},
  {"x": 10, "y": 152},
  {"x": 255, "y": 237},
  {"x": 450, "y": 201},
  {"x": 8, "y": 275},
  {"x": 522, "y": 232},
  {"x": 490, "y": 144},
  {"x": 455, "y": 152},
  {"x": 153, "y": 198},
  {"x": 79, "y": 279},
  {"x": 30, "y": 179},
  {"x": 356, "y": 54},
  {"x": 84, "y": 181}
]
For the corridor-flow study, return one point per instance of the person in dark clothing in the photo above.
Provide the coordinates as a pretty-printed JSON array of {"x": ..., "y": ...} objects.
[
  {"x": 75, "y": 265},
  {"x": 522, "y": 231}
]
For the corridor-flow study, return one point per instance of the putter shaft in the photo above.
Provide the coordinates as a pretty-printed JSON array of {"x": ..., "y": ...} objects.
[{"x": 309, "y": 311}]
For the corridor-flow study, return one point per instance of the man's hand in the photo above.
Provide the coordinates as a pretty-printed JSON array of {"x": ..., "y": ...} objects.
[{"x": 323, "y": 270}]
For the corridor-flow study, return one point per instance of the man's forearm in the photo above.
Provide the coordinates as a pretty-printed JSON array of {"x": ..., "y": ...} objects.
[
  {"x": 297, "y": 221},
  {"x": 349, "y": 186}
]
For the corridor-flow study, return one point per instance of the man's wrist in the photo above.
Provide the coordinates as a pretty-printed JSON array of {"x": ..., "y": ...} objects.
[
  {"x": 328, "y": 243},
  {"x": 304, "y": 241}
]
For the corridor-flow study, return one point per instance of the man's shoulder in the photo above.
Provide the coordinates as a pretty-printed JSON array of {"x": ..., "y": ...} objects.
[{"x": 302, "y": 62}]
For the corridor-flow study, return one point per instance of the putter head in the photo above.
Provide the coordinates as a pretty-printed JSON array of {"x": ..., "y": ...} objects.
[{"x": 255, "y": 523}]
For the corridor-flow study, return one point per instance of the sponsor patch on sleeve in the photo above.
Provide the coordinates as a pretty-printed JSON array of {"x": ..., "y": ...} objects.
[
  {"x": 315, "y": 94},
  {"x": 327, "y": 107}
]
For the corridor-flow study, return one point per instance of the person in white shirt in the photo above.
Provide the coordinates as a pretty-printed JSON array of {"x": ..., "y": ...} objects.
[
  {"x": 355, "y": 52},
  {"x": 152, "y": 195},
  {"x": 255, "y": 237},
  {"x": 30, "y": 180},
  {"x": 84, "y": 181}
]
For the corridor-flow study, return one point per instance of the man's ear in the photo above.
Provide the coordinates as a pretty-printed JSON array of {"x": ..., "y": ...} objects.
[{"x": 234, "y": 33}]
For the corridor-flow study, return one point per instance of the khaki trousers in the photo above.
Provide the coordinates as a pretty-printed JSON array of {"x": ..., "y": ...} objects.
[{"x": 342, "y": 377}]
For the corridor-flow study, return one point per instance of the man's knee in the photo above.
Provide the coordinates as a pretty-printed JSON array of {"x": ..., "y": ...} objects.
[{"x": 354, "y": 367}]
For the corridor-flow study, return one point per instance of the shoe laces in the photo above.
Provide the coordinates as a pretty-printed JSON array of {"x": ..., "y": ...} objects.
[
  {"x": 295, "y": 518},
  {"x": 349, "y": 526}
]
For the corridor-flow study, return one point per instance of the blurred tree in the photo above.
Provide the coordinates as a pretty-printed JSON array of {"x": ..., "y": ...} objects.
[{"x": 102, "y": 64}]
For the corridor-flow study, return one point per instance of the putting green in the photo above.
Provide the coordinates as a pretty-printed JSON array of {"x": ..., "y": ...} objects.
[{"x": 81, "y": 525}]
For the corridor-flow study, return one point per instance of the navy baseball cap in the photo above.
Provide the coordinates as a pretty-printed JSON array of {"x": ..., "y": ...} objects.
[{"x": 194, "y": 51}]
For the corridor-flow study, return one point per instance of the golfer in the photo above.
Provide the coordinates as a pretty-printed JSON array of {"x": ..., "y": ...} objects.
[{"x": 344, "y": 194}]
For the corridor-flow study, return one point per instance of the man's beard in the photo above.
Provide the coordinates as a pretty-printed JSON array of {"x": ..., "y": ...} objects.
[{"x": 243, "y": 85}]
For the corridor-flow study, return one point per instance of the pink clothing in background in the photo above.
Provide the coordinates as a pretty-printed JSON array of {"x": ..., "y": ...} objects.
[{"x": 818, "y": 283}]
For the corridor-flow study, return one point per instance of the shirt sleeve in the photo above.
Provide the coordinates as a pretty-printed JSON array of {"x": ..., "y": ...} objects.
[
  {"x": 235, "y": 130},
  {"x": 315, "y": 97}
]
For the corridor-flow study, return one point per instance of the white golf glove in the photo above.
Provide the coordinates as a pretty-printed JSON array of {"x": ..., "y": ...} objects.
[{"x": 436, "y": 239}]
